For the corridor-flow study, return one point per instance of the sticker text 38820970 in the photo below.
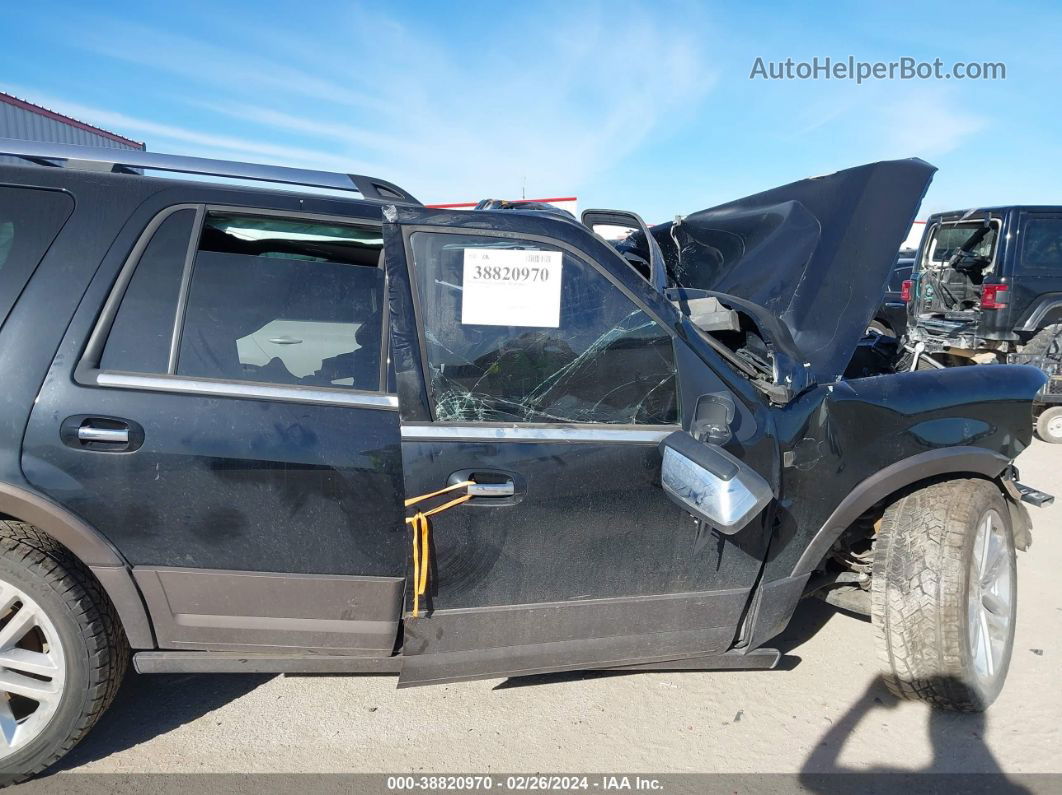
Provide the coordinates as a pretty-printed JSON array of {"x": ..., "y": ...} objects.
[{"x": 511, "y": 287}]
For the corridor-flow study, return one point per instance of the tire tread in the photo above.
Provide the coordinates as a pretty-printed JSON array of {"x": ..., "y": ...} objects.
[{"x": 95, "y": 615}]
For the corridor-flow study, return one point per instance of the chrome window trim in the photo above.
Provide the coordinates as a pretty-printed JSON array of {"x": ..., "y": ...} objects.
[
  {"x": 183, "y": 289},
  {"x": 101, "y": 330},
  {"x": 409, "y": 230},
  {"x": 550, "y": 433},
  {"x": 87, "y": 371},
  {"x": 246, "y": 389}
]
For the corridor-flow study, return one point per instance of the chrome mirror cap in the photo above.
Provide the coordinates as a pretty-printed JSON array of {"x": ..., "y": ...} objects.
[{"x": 711, "y": 484}]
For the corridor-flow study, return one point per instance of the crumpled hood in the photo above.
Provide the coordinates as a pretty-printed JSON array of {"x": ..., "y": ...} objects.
[{"x": 816, "y": 254}]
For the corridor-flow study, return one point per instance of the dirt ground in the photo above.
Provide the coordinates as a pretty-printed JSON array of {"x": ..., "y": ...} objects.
[{"x": 825, "y": 711}]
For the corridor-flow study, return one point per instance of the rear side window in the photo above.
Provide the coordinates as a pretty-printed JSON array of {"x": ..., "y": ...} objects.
[
  {"x": 271, "y": 300},
  {"x": 140, "y": 338},
  {"x": 30, "y": 219},
  {"x": 285, "y": 302},
  {"x": 1042, "y": 247},
  {"x": 522, "y": 332}
]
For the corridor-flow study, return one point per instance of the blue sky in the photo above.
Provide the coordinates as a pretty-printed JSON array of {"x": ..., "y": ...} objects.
[{"x": 644, "y": 106}]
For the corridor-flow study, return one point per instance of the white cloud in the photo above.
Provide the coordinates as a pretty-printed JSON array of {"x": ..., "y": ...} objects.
[
  {"x": 565, "y": 97},
  {"x": 192, "y": 141},
  {"x": 931, "y": 123},
  {"x": 889, "y": 120}
]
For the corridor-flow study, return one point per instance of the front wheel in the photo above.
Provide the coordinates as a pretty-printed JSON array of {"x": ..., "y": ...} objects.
[{"x": 944, "y": 594}]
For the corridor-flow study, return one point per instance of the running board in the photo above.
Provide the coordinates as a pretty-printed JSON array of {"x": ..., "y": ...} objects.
[
  {"x": 666, "y": 649},
  {"x": 230, "y": 662},
  {"x": 755, "y": 660},
  {"x": 220, "y": 662}
]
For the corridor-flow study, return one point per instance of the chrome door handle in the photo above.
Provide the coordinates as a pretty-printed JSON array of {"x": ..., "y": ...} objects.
[
  {"x": 90, "y": 433},
  {"x": 506, "y": 489}
]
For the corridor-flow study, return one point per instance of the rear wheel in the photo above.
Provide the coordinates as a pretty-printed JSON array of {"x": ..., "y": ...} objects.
[
  {"x": 62, "y": 651},
  {"x": 1047, "y": 342},
  {"x": 880, "y": 327},
  {"x": 944, "y": 594},
  {"x": 1049, "y": 425}
]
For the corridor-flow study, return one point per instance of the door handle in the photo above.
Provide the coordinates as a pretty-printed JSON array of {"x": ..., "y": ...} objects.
[
  {"x": 490, "y": 486},
  {"x": 284, "y": 340},
  {"x": 90, "y": 433},
  {"x": 101, "y": 434},
  {"x": 505, "y": 489}
]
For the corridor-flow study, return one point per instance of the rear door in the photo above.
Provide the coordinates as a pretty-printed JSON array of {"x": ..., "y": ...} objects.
[
  {"x": 223, "y": 420},
  {"x": 533, "y": 361}
]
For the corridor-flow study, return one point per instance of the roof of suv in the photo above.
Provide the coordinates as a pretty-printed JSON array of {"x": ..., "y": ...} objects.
[{"x": 133, "y": 162}]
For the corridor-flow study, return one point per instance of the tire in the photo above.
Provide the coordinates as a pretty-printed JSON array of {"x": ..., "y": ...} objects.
[
  {"x": 927, "y": 599},
  {"x": 52, "y": 607},
  {"x": 1049, "y": 425},
  {"x": 880, "y": 327},
  {"x": 1046, "y": 342}
]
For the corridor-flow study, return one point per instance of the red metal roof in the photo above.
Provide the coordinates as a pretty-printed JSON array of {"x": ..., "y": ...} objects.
[{"x": 51, "y": 114}]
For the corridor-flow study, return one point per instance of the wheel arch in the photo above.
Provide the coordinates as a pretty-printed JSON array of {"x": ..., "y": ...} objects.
[
  {"x": 908, "y": 472},
  {"x": 1044, "y": 311},
  {"x": 90, "y": 547}
]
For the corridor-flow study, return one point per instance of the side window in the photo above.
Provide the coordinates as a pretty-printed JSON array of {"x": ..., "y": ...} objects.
[
  {"x": 140, "y": 337},
  {"x": 284, "y": 301},
  {"x": 30, "y": 218},
  {"x": 1042, "y": 246},
  {"x": 521, "y": 332}
]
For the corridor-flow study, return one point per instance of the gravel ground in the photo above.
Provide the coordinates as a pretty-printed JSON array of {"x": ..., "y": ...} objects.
[{"x": 828, "y": 711}]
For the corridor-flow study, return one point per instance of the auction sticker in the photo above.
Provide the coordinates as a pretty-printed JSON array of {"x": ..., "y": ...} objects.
[{"x": 508, "y": 287}]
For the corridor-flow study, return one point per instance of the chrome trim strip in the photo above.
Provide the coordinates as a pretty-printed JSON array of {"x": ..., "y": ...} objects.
[
  {"x": 511, "y": 433},
  {"x": 242, "y": 389},
  {"x": 184, "y": 288}
]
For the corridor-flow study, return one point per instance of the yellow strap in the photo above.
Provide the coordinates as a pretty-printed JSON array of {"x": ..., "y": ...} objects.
[
  {"x": 429, "y": 495},
  {"x": 421, "y": 530}
]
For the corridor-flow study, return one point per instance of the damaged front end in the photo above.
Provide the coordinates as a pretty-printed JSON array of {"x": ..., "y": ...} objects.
[{"x": 803, "y": 267}]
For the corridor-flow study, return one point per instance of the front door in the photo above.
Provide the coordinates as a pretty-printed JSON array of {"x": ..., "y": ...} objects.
[{"x": 534, "y": 362}]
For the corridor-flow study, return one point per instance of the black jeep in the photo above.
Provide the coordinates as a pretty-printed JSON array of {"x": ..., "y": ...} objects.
[
  {"x": 987, "y": 288},
  {"x": 258, "y": 430},
  {"x": 986, "y": 283}
]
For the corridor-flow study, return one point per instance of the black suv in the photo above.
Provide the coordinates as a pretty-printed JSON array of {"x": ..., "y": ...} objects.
[
  {"x": 251, "y": 430},
  {"x": 986, "y": 283}
]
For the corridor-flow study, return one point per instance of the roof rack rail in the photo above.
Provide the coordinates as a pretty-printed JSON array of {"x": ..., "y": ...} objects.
[{"x": 123, "y": 160}]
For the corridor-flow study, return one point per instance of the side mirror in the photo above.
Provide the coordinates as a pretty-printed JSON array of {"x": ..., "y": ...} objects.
[{"x": 711, "y": 484}]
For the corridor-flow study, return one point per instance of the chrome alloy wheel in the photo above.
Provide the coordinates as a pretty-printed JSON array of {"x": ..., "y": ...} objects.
[
  {"x": 32, "y": 669},
  {"x": 990, "y": 607}
]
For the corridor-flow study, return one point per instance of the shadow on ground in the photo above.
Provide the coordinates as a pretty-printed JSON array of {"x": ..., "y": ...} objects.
[
  {"x": 962, "y": 761},
  {"x": 151, "y": 705},
  {"x": 810, "y": 616}
]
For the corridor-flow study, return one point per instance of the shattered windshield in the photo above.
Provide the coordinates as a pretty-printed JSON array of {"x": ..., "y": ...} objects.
[{"x": 522, "y": 332}]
